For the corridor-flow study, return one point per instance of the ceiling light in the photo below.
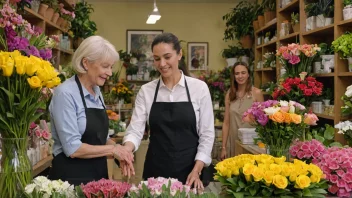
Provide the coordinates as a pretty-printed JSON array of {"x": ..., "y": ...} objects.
[{"x": 154, "y": 16}]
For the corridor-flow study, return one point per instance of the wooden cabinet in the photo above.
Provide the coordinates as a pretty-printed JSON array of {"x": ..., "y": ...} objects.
[{"x": 338, "y": 80}]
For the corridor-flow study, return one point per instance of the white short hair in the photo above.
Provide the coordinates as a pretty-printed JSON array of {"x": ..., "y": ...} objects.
[{"x": 93, "y": 48}]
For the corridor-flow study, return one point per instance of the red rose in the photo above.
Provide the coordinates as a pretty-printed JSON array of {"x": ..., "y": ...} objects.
[
  {"x": 317, "y": 90},
  {"x": 308, "y": 92},
  {"x": 302, "y": 87},
  {"x": 296, "y": 81}
]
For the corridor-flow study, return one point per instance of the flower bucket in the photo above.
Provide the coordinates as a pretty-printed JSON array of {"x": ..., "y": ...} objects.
[
  {"x": 320, "y": 22},
  {"x": 278, "y": 151},
  {"x": 328, "y": 21},
  {"x": 311, "y": 23},
  {"x": 55, "y": 17},
  {"x": 16, "y": 169},
  {"x": 42, "y": 9},
  {"x": 49, "y": 13},
  {"x": 261, "y": 21}
]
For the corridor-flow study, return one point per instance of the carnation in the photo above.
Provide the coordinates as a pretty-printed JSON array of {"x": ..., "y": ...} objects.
[{"x": 104, "y": 188}]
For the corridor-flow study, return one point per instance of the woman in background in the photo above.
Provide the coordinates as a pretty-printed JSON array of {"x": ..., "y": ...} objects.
[{"x": 237, "y": 100}]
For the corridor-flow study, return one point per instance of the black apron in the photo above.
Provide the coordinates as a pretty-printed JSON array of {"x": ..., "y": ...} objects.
[
  {"x": 76, "y": 170},
  {"x": 173, "y": 139}
]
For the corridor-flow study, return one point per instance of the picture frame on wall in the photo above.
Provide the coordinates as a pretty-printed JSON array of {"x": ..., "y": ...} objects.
[
  {"x": 139, "y": 44},
  {"x": 197, "y": 55}
]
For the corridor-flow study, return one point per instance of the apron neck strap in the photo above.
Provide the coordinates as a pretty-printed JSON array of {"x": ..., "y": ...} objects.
[
  {"x": 82, "y": 95},
  {"x": 157, "y": 90}
]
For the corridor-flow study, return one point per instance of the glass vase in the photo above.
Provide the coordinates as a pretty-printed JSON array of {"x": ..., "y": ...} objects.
[
  {"x": 277, "y": 151},
  {"x": 16, "y": 169}
]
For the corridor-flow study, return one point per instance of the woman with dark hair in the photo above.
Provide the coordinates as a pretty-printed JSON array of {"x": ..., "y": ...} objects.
[
  {"x": 179, "y": 111},
  {"x": 237, "y": 100}
]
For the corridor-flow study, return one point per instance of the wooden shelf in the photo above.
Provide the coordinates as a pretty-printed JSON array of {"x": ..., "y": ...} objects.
[
  {"x": 329, "y": 117},
  {"x": 345, "y": 73},
  {"x": 63, "y": 50},
  {"x": 42, "y": 165},
  {"x": 291, "y": 6},
  {"x": 273, "y": 42},
  {"x": 345, "y": 23},
  {"x": 323, "y": 75},
  {"x": 250, "y": 148},
  {"x": 270, "y": 25},
  {"x": 138, "y": 81},
  {"x": 265, "y": 69},
  {"x": 30, "y": 14},
  {"x": 67, "y": 5},
  {"x": 289, "y": 37},
  {"x": 327, "y": 30}
]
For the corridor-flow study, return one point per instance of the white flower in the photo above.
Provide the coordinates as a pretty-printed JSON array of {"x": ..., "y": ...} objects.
[
  {"x": 340, "y": 132},
  {"x": 271, "y": 110},
  {"x": 283, "y": 103},
  {"x": 29, "y": 188},
  {"x": 348, "y": 93},
  {"x": 292, "y": 109},
  {"x": 134, "y": 60},
  {"x": 349, "y": 87},
  {"x": 173, "y": 192}
]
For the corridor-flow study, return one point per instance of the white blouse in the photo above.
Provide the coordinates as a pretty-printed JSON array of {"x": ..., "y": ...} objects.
[{"x": 202, "y": 104}]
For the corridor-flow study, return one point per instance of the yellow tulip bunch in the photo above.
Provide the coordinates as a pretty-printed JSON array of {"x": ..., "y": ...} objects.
[
  {"x": 265, "y": 171},
  {"x": 39, "y": 72}
]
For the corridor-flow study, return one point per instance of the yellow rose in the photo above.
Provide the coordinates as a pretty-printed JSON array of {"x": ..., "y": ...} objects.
[
  {"x": 280, "y": 181},
  {"x": 248, "y": 169},
  {"x": 293, "y": 177},
  {"x": 287, "y": 118},
  {"x": 50, "y": 84},
  {"x": 280, "y": 160},
  {"x": 268, "y": 177},
  {"x": 314, "y": 178},
  {"x": 297, "y": 119},
  {"x": 20, "y": 62},
  {"x": 33, "y": 64},
  {"x": 56, "y": 81},
  {"x": 235, "y": 170},
  {"x": 258, "y": 174},
  {"x": 286, "y": 170},
  {"x": 275, "y": 168},
  {"x": 302, "y": 181},
  {"x": 277, "y": 117},
  {"x": 7, "y": 68},
  {"x": 34, "y": 82}
]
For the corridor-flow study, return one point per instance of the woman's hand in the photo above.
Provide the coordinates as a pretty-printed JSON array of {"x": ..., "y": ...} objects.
[
  {"x": 223, "y": 153},
  {"x": 122, "y": 154},
  {"x": 126, "y": 169},
  {"x": 193, "y": 178}
]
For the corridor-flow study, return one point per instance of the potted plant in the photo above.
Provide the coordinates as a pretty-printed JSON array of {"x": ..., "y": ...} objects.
[
  {"x": 329, "y": 15},
  {"x": 44, "y": 5},
  {"x": 327, "y": 96},
  {"x": 267, "y": 37},
  {"x": 131, "y": 72},
  {"x": 259, "y": 12},
  {"x": 311, "y": 11},
  {"x": 342, "y": 45},
  {"x": 239, "y": 24},
  {"x": 82, "y": 27},
  {"x": 269, "y": 10},
  {"x": 327, "y": 56},
  {"x": 55, "y": 6},
  {"x": 231, "y": 54},
  {"x": 154, "y": 74},
  {"x": 323, "y": 6},
  {"x": 347, "y": 9},
  {"x": 295, "y": 21}
]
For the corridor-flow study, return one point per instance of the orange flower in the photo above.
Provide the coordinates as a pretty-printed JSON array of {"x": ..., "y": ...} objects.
[
  {"x": 277, "y": 117},
  {"x": 288, "y": 119},
  {"x": 297, "y": 119}
]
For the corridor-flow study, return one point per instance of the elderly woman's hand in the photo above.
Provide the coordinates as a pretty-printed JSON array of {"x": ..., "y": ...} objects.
[{"x": 123, "y": 154}]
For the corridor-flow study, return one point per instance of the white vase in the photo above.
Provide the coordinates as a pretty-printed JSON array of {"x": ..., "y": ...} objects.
[
  {"x": 347, "y": 13},
  {"x": 231, "y": 61},
  {"x": 328, "y": 59},
  {"x": 146, "y": 76},
  {"x": 266, "y": 40},
  {"x": 320, "y": 21},
  {"x": 349, "y": 59},
  {"x": 317, "y": 67},
  {"x": 328, "y": 21},
  {"x": 129, "y": 77},
  {"x": 317, "y": 107},
  {"x": 311, "y": 23},
  {"x": 326, "y": 102}
]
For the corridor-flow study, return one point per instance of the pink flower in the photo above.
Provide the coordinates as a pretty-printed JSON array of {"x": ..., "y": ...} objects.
[
  {"x": 46, "y": 135},
  {"x": 294, "y": 60},
  {"x": 38, "y": 133},
  {"x": 310, "y": 119},
  {"x": 286, "y": 55},
  {"x": 334, "y": 178},
  {"x": 300, "y": 154},
  {"x": 333, "y": 189}
]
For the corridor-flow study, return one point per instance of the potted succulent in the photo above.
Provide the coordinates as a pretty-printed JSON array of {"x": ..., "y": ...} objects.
[
  {"x": 328, "y": 96},
  {"x": 269, "y": 10},
  {"x": 323, "y": 8},
  {"x": 342, "y": 45},
  {"x": 311, "y": 11},
  {"x": 267, "y": 37},
  {"x": 295, "y": 22},
  {"x": 81, "y": 26},
  {"x": 239, "y": 24},
  {"x": 347, "y": 9}
]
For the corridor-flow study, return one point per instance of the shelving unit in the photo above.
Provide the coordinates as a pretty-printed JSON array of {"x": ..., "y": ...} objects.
[
  {"x": 42, "y": 165},
  {"x": 338, "y": 80}
]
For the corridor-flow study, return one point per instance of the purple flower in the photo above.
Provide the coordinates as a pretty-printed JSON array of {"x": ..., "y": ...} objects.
[
  {"x": 262, "y": 119},
  {"x": 37, "y": 30},
  {"x": 17, "y": 43},
  {"x": 32, "y": 51},
  {"x": 46, "y": 54}
]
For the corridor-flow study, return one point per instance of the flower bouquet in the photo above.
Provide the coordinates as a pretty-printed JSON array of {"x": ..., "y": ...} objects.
[
  {"x": 303, "y": 90},
  {"x": 266, "y": 176},
  {"x": 347, "y": 100},
  {"x": 297, "y": 58},
  {"x": 103, "y": 188},
  {"x": 307, "y": 150},
  {"x": 45, "y": 188},
  {"x": 336, "y": 164},
  {"x": 278, "y": 123},
  {"x": 163, "y": 187},
  {"x": 345, "y": 128},
  {"x": 122, "y": 91},
  {"x": 21, "y": 81}
]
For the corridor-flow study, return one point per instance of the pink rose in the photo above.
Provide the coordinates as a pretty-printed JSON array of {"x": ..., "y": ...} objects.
[
  {"x": 45, "y": 135},
  {"x": 334, "y": 179},
  {"x": 38, "y": 133},
  {"x": 310, "y": 119},
  {"x": 294, "y": 60},
  {"x": 333, "y": 189},
  {"x": 300, "y": 154}
]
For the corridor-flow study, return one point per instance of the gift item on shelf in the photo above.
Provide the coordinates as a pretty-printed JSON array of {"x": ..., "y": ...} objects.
[{"x": 247, "y": 135}]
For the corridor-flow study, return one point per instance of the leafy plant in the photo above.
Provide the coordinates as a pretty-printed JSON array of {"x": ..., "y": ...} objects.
[
  {"x": 269, "y": 5},
  {"x": 82, "y": 26},
  {"x": 325, "y": 49},
  {"x": 311, "y": 9},
  {"x": 323, "y": 7},
  {"x": 294, "y": 18},
  {"x": 329, "y": 12},
  {"x": 239, "y": 21},
  {"x": 328, "y": 94},
  {"x": 233, "y": 51},
  {"x": 325, "y": 135},
  {"x": 154, "y": 73},
  {"x": 132, "y": 69},
  {"x": 347, "y": 2},
  {"x": 343, "y": 45}
]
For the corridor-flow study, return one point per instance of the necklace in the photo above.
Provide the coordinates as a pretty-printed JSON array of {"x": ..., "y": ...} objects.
[{"x": 241, "y": 99}]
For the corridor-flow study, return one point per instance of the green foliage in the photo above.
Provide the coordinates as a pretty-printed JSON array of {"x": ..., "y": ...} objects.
[
  {"x": 343, "y": 45},
  {"x": 269, "y": 5},
  {"x": 268, "y": 87},
  {"x": 294, "y": 18},
  {"x": 325, "y": 49},
  {"x": 154, "y": 73},
  {"x": 82, "y": 26},
  {"x": 347, "y": 2},
  {"x": 311, "y": 9},
  {"x": 328, "y": 94},
  {"x": 325, "y": 135},
  {"x": 239, "y": 21},
  {"x": 233, "y": 52},
  {"x": 132, "y": 69}
]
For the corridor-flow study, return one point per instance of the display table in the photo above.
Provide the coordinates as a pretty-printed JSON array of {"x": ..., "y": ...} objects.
[
  {"x": 248, "y": 148},
  {"x": 42, "y": 165}
]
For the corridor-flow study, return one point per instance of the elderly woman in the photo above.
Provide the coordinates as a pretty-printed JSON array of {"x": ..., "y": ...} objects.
[{"x": 79, "y": 120}]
